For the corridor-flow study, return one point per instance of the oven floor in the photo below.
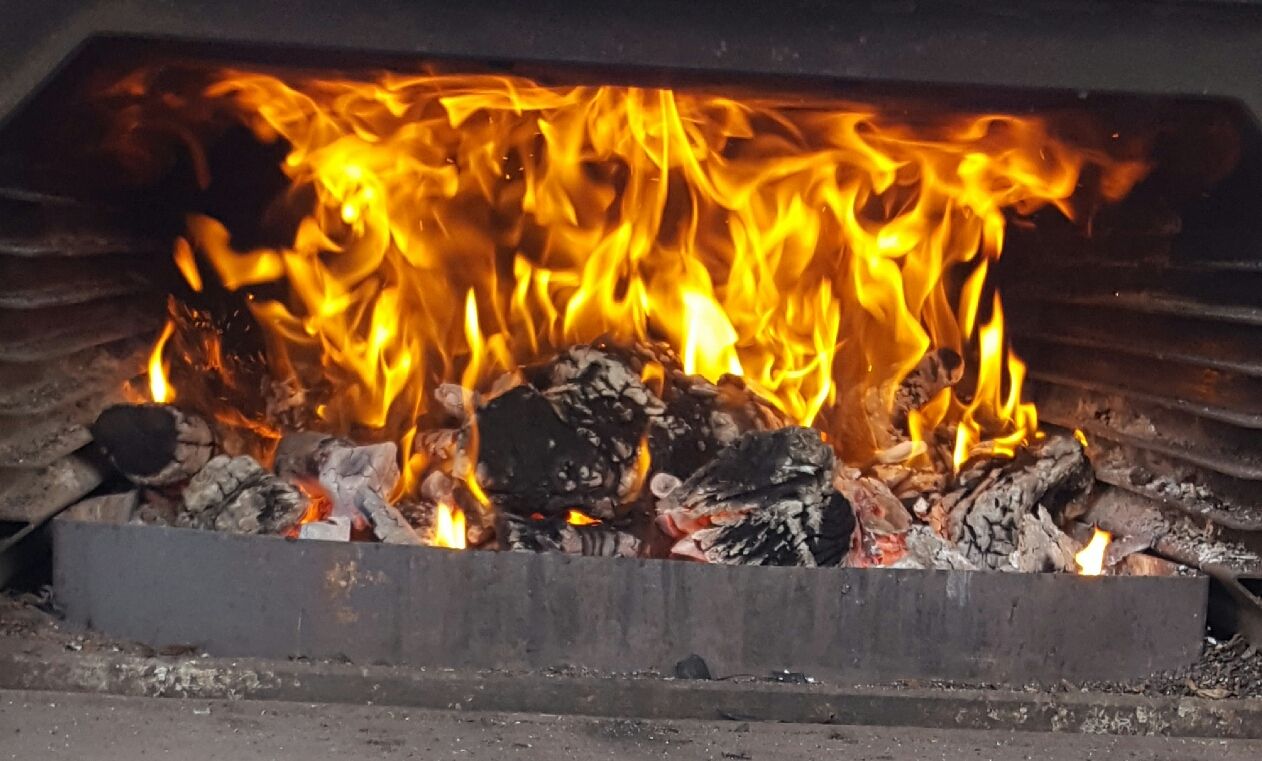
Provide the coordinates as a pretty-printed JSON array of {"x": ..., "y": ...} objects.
[{"x": 47, "y": 725}]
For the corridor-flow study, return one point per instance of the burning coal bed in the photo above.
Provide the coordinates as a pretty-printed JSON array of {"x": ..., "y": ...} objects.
[
  {"x": 497, "y": 314},
  {"x": 614, "y": 451}
]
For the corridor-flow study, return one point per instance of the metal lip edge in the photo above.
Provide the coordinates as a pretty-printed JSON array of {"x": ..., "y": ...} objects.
[{"x": 66, "y": 522}]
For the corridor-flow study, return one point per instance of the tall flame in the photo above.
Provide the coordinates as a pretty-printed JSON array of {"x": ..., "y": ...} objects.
[
  {"x": 456, "y": 226},
  {"x": 159, "y": 387}
]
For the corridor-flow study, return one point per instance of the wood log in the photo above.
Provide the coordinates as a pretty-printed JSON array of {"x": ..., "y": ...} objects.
[
  {"x": 388, "y": 524},
  {"x": 572, "y": 434},
  {"x": 925, "y": 550},
  {"x": 555, "y": 535},
  {"x": 983, "y": 517},
  {"x": 237, "y": 495},
  {"x": 342, "y": 468},
  {"x": 767, "y": 499},
  {"x": 154, "y": 444},
  {"x": 1041, "y": 546}
]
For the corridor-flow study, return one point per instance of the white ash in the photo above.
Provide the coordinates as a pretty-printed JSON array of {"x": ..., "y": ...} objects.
[
  {"x": 928, "y": 551},
  {"x": 1042, "y": 546}
]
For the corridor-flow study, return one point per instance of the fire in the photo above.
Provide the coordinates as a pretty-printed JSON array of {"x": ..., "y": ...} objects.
[
  {"x": 455, "y": 227},
  {"x": 1090, "y": 559},
  {"x": 449, "y": 527},
  {"x": 576, "y": 518},
  {"x": 159, "y": 388}
]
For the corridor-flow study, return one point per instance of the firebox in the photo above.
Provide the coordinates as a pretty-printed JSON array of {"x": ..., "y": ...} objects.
[{"x": 523, "y": 334}]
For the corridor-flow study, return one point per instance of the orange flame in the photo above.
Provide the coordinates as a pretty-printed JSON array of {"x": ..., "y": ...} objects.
[
  {"x": 449, "y": 527},
  {"x": 159, "y": 387},
  {"x": 576, "y": 518},
  {"x": 1090, "y": 559},
  {"x": 463, "y": 225}
]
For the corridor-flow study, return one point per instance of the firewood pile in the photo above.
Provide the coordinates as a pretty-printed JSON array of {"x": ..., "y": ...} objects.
[{"x": 613, "y": 450}]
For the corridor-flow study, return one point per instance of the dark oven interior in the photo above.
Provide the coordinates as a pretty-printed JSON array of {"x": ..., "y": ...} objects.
[{"x": 1140, "y": 321}]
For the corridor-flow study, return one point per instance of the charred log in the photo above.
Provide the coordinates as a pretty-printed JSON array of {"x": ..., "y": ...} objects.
[
  {"x": 154, "y": 444},
  {"x": 553, "y": 535},
  {"x": 767, "y": 499},
  {"x": 573, "y": 433},
  {"x": 238, "y": 496},
  {"x": 984, "y": 516},
  {"x": 343, "y": 468}
]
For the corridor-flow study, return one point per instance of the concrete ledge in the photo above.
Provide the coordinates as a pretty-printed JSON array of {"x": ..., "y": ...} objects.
[{"x": 636, "y": 697}]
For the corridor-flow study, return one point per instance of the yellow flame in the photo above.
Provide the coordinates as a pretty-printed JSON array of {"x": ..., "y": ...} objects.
[
  {"x": 449, "y": 527},
  {"x": 466, "y": 224},
  {"x": 1081, "y": 437},
  {"x": 187, "y": 264},
  {"x": 1090, "y": 559},
  {"x": 576, "y": 518},
  {"x": 159, "y": 387}
]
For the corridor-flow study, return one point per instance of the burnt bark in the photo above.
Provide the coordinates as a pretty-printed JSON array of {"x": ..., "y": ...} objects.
[
  {"x": 984, "y": 517},
  {"x": 154, "y": 444},
  {"x": 573, "y": 433},
  {"x": 768, "y": 499},
  {"x": 555, "y": 535},
  {"x": 238, "y": 496}
]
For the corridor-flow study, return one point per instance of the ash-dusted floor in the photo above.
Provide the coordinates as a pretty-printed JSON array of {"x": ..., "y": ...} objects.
[{"x": 39, "y": 725}]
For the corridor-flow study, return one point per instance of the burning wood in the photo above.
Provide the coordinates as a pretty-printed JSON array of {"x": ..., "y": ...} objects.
[
  {"x": 154, "y": 444},
  {"x": 342, "y": 468},
  {"x": 985, "y": 513},
  {"x": 556, "y": 535},
  {"x": 767, "y": 499},
  {"x": 236, "y": 495}
]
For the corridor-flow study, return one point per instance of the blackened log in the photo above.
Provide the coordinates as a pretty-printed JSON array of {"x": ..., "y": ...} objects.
[
  {"x": 984, "y": 518},
  {"x": 555, "y": 535},
  {"x": 532, "y": 461},
  {"x": 154, "y": 444},
  {"x": 768, "y": 499},
  {"x": 341, "y": 467},
  {"x": 237, "y": 495}
]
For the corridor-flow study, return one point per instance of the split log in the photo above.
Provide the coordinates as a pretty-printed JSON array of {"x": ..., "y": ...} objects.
[
  {"x": 984, "y": 517},
  {"x": 1041, "y": 546},
  {"x": 237, "y": 495},
  {"x": 767, "y": 499},
  {"x": 554, "y": 535},
  {"x": 388, "y": 524},
  {"x": 925, "y": 550},
  {"x": 154, "y": 444},
  {"x": 341, "y": 467}
]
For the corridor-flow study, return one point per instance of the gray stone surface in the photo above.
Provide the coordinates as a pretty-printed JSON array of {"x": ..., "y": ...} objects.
[{"x": 40, "y": 725}]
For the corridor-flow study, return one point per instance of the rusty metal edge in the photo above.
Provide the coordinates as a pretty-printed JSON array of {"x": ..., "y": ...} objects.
[{"x": 267, "y": 597}]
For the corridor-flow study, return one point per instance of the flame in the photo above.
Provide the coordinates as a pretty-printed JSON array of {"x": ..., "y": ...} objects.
[
  {"x": 187, "y": 264},
  {"x": 1090, "y": 559},
  {"x": 449, "y": 528},
  {"x": 159, "y": 388},
  {"x": 1081, "y": 437},
  {"x": 454, "y": 227},
  {"x": 576, "y": 518}
]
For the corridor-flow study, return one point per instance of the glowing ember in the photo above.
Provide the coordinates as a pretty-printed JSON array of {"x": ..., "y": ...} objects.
[
  {"x": 449, "y": 527},
  {"x": 1090, "y": 559},
  {"x": 159, "y": 388}
]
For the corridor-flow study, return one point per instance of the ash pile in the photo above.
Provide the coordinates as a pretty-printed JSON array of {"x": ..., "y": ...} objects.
[{"x": 614, "y": 450}]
